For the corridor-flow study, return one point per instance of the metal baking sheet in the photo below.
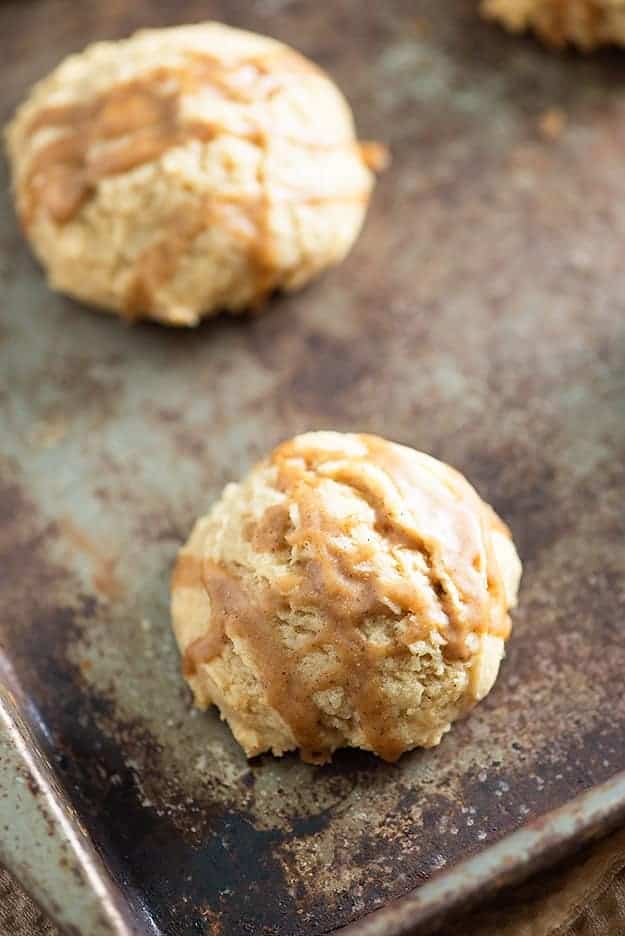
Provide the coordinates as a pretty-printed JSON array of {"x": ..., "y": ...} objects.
[{"x": 480, "y": 318}]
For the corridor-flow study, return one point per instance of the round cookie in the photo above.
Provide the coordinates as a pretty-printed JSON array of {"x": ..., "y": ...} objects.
[
  {"x": 187, "y": 170},
  {"x": 584, "y": 23},
  {"x": 348, "y": 592}
]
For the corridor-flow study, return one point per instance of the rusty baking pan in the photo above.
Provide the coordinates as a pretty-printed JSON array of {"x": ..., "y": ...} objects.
[{"x": 480, "y": 318}]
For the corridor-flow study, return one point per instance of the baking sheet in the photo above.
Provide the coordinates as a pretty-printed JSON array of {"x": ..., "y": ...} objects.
[{"x": 480, "y": 318}]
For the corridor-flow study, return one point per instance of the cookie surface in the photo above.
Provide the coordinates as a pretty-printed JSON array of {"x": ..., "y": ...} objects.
[
  {"x": 348, "y": 592},
  {"x": 186, "y": 170},
  {"x": 584, "y": 23}
]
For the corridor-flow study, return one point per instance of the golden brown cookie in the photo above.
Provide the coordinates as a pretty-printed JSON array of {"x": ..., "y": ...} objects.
[
  {"x": 584, "y": 23},
  {"x": 348, "y": 592},
  {"x": 187, "y": 170}
]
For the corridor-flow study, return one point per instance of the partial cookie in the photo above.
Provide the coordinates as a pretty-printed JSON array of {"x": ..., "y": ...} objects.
[
  {"x": 187, "y": 170},
  {"x": 348, "y": 592},
  {"x": 584, "y": 23}
]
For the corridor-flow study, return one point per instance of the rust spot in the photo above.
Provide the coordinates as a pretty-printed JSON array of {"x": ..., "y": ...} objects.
[
  {"x": 212, "y": 922},
  {"x": 326, "y": 373},
  {"x": 104, "y": 577}
]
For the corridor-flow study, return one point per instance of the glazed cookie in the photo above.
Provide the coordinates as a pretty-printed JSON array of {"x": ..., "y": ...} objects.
[
  {"x": 187, "y": 170},
  {"x": 584, "y": 23},
  {"x": 348, "y": 592}
]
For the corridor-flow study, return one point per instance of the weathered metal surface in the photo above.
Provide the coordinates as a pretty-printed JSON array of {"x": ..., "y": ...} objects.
[
  {"x": 479, "y": 317},
  {"x": 446, "y": 897}
]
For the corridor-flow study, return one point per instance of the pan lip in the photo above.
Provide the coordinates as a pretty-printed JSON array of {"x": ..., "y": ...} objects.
[
  {"x": 536, "y": 844},
  {"x": 44, "y": 800}
]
